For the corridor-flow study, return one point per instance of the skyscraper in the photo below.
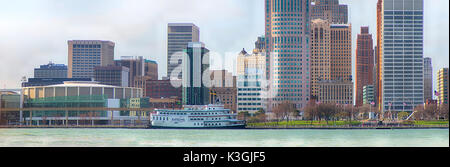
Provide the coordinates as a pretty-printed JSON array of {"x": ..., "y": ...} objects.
[
  {"x": 287, "y": 41},
  {"x": 320, "y": 54},
  {"x": 329, "y": 10},
  {"x": 330, "y": 46},
  {"x": 364, "y": 63},
  {"x": 443, "y": 84},
  {"x": 178, "y": 37},
  {"x": 341, "y": 52},
  {"x": 401, "y": 54},
  {"x": 195, "y": 67},
  {"x": 378, "y": 57},
  {"x": 84, "y": 55},
  {"x": 427, "y": 79}
]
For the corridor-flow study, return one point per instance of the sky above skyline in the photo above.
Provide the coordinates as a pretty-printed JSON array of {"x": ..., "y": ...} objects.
[{"x": 34, "y": 32}]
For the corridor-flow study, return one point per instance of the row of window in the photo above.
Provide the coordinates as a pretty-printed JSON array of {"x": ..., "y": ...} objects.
[
  {"x": 249, "y": 109},
  {"x": 406, "y": 49},
  {"x": 249, "y": 104},
  {"x": 287, "y": 32},
  {"x": 249, "y": 99},
  {"x": 87, "y": 46},
  {"x": 288, "y": 86},
  {"x": 249, "y": 94},
  {"x": 290, "y": 72},
  {"x": 249, "y": 89}
]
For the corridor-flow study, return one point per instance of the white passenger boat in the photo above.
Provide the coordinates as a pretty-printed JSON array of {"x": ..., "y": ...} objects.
[{"x": 213, "y": 116}]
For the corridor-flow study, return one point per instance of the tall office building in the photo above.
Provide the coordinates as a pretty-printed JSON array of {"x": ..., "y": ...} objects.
[
  {"x": 195, "y": 66},
  {"x": 364, "y": 63},
  {"x": 320, "y": 54},
  {"x": 401, "y": 54},
  {"x": 341, "y": 52},
  {"x": 178, "y": 37},
  {"x": 375, "y": 74},
  {"x": 140, "y": 70},
  {"x": 378, "y": 57},
  {"x": 443, "y": 86},
  {"x": 329, "y": 10},
  {"x": 84, "y": 55},
  {"x": 287, "y": 39},
  {"x": 250, "y": 73},
  {"x": 427, "y": 79},
  {"x": 330, "y": 44},
  {"x": 51, "y": 70}
]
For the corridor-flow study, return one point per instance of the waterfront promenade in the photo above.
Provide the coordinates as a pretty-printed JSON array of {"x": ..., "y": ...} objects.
[
  {"x": 350, "y": 127},
  {"x": 79, "y": 126}
]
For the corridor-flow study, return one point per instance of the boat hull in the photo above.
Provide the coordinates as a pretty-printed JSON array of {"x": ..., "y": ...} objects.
[{"x": 223, "y": 127}]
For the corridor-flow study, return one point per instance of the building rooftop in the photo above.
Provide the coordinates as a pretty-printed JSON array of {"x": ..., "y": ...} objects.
[
  {"x": 82, "y": 84},
  {"x": 181, "y": 24}
]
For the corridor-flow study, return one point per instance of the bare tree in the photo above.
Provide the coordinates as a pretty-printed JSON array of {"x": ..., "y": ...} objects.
[
  {"x": 444, "y": 111},
  {"x": 310, "y": 112},
  {"x": 284, "y": 111},
  {"x": 419, "y": 112}
]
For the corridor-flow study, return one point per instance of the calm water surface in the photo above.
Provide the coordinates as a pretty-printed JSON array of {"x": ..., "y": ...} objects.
[{"x": 222, "y": 138}]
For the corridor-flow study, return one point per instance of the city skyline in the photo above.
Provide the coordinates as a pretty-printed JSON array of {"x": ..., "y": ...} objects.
[{"x": 134, "y": 38}]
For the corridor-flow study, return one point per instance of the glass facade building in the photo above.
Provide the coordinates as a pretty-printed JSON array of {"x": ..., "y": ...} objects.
[
  {"x": 427, "y": 79},
  {"x": 368, "y": 94},
  {"x": 195, "y": 75},
  {"x": 9, "y": 100},
  {"x": 402, "y": 54},
  {"x": 74, "y": 95},
  {"x": 288, "y": 53}
]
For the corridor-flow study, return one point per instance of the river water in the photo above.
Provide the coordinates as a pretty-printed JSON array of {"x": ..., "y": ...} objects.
[{"x": 222, "y": 138}]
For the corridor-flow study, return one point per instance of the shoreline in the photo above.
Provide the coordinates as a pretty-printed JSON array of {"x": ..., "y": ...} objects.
[{"x": 246, "y": 128}]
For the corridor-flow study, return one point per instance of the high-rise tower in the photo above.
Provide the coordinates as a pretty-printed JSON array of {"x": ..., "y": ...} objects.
[
  {"x": 329, "y": 10},
  {"x": 364, "y": 63},
  {"x": 85, "y": 55},
  {"x": 443, "y": 86},
  {"x": 178, "y": 37},
  {"x": 195, "y": 67},
  {"x": 400, "y": 24},
  {"x": 427, "y": 79},
  {"x": 288, "y": 60}
]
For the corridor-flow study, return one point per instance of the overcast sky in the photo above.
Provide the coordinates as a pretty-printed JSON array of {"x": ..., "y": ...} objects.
[{"x": 34, "y": 32}]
